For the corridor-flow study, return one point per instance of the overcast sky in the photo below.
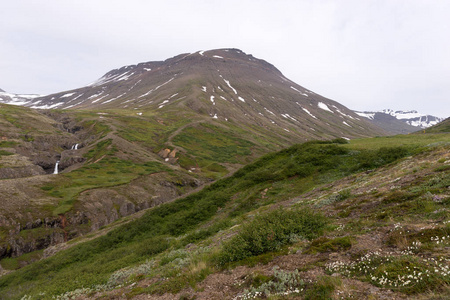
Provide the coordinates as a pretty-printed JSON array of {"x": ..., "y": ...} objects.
[{"x": 367, "y": 55}]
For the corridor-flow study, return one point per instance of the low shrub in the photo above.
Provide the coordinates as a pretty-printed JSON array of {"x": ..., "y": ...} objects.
[
  {"x": 324, "y": 244},
  {"x": 408, "y": 274},
  {"x": 270, "y": 232},
  {"x": 282, "y": 283}
]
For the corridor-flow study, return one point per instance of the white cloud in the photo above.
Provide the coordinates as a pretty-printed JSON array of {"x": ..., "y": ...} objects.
[{"x": 364, "y": 54}]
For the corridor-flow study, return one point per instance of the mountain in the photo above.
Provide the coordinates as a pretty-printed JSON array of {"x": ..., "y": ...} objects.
[
  {"x": 388, "y": 122},
  {"x": 412, "y": 118},
  {"x": 144, "y": 135},
  {"x": 16, "y": 99},
  {"x": 192, "y": 178},
  {"x": 443, "y": 126},
  {"x": 226, "y": 85}
]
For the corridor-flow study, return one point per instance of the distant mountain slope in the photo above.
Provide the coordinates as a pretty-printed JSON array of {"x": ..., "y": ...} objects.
[
  {"x": 227, "y": 85},
  {"x": 443, "y": 126},
  {"x": 389, "y": 123},
  {"x": 16, "y": 99},
  {"x": 412, "y": 118}
]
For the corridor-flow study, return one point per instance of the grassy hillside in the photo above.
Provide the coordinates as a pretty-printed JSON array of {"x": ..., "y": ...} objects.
[
  {"x": 125, "y": 162},
  {"x": 443, "y": 126},
  {"x": 283, "y": 224}
]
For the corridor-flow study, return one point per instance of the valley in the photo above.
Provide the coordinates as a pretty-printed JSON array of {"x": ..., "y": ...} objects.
[{"x": 211, "y": 175}]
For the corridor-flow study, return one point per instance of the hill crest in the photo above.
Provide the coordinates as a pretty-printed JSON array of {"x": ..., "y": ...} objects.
[{"x": 227, "y": 85}]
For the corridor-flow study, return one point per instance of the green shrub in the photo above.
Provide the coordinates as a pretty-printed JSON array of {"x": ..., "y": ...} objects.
[
  {"x": 340, "y": 141},
  {"x": 324, "y": 244},
  {"x": 281, "y": 283},
  {"x": 5, "y": 153},
  {"x": 322, "y": 289},
  {"x": 270, "y": 232},
  {"x": 8, "y": 144}
]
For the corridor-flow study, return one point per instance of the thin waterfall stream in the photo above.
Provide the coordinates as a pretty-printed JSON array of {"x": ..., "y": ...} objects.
[{"x": 56, "y": 167}]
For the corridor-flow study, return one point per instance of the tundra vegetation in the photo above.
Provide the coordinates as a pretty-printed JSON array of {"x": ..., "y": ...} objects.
[{"x": 322, "y": 219}]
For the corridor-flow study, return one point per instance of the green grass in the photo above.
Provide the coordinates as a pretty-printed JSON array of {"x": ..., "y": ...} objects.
[
  {"x": 18, "y": 262},
  {"x": 96, "y": 127},
  {"x": 409, "y": 141},
  {"x": 444, "y": 126},
  {"x": 5, "y": 153},
  {"x": 8, "y": 144},
  {"x": 108, "y": 172},
  {"x": 211, "y": 143},
  {"x": 151, "y": 131},
  {"x": 275, "y": 177}
]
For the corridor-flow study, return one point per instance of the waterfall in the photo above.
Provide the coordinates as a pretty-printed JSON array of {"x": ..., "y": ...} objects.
[
  {"x": 74, "y": 147},
  {"x": 56, "y": 167}
]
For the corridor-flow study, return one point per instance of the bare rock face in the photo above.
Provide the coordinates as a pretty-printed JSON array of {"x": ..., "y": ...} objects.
[
  {"x": 106, "y": 205},
  {"x": 70, "y": 158},
  {"x": 169, "y": 155},
  {"x": 21, "y": 172}
]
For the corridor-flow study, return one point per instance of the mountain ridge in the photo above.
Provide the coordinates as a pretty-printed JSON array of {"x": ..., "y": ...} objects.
[
  {"x": 224, "y": 84},
  {"x": 409, "y": 117}
]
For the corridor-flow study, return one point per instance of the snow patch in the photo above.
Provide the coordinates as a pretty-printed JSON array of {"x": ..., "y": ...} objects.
[
  {"x": 217, "y": 56},
  {"x": 77, "y": 97},
  {"x": 156, "y": 88},
  {"x": 48, "y": 106},
  {"x": 299, "y": 91},
  {"x": 345, "y": 123},
  {"x": 107, "y": 101},
  {"x": 345, "y": 115},
  {"x": 306, "y": 111},
  {"x": 135, "y": 85},
  {"x": 366, "y": 115},
  {"x": 229, "y": 85},
  {"x": 163, "y": 103},
  {"x": 240, "y": 98},
  {"x": 67, "y": 95},
  {"x": 287, "y": 116},
  {"x": 95, "y": 95},
  {"x": 96, "y": 100},
  {"x": 269, "y": 111},
  {"x": 215, "y": 116},
  {"x": 212, "y": 100},
  {"x": 204, "y": 88},
  {"x": 323, "y": 106}
]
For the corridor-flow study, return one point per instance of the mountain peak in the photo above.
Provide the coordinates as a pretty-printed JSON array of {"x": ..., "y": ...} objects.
[
  {"x": 226, "y": 85},
  {"x": 414, "y": 119}
]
